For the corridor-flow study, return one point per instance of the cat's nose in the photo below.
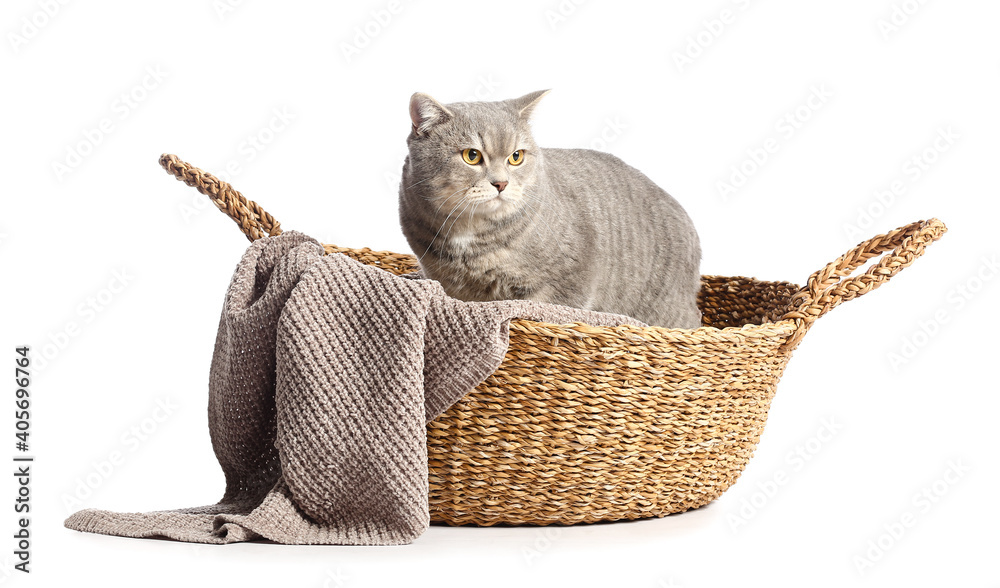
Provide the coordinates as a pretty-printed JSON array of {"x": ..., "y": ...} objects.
[{"x": 499, "y": 186}]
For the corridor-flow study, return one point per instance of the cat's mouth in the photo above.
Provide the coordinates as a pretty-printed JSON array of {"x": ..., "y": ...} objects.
[
  {"x": 479, "y": 202},
  {"x": 487, "y": 198},
  {"x": 495, "y": 203}
]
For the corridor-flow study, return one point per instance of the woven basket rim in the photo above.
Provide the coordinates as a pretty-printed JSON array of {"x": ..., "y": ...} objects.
[
  {"x": 825, "y": 289},
  {"x": 781, "y": 328}
]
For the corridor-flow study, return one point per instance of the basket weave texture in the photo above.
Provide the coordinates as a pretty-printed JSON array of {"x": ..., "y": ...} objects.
[{"x": 586, "y": 424}]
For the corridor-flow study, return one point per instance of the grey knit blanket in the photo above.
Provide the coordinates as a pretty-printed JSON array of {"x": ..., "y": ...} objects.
[{"x": 324, "y": 376}]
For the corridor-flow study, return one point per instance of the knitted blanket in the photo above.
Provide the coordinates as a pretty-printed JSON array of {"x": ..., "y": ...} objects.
[{"x": 324, "y": 376}]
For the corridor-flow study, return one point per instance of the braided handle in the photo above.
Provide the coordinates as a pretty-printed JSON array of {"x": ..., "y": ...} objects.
[
  {"x": 830, "y": 286},
  {"x": 253, "y": 220}
]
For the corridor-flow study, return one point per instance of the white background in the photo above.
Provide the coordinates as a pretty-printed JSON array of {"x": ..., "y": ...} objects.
[{"x": 620, "y": 84}]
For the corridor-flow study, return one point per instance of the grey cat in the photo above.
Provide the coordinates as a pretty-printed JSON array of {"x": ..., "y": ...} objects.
[{"x": 491, "y": 216}]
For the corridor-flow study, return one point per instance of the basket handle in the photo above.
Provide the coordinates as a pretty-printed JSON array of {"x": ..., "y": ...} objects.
[
  {"x": 253, "y": 220},
  {"x": 830, "y": 286}
]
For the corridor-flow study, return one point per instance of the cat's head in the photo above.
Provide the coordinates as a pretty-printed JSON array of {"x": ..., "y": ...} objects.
[{"x": 476, "y": 156}]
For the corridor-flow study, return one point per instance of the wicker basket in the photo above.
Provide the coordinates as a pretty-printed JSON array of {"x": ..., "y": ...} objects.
[{"x": 585, "y": 424}]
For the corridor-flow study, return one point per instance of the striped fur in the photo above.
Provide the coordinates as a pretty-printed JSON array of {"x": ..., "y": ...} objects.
[{"x": 572, "y": 226}]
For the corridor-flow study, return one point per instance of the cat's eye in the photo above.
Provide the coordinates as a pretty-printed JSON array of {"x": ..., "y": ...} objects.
[
  {"x": 472, "y": 156},
  {"x": 516, "y": 157}
]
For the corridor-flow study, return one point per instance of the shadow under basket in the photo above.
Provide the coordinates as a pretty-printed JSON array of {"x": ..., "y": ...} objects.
[{"x": 583, "y": 424}]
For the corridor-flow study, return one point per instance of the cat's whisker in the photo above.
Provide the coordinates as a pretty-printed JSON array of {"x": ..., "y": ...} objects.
[
  {"x": 439, "y": 261},
  {"x": 458, "y": 217},
  {"x": 418, "y": 183},
  {"x": 472, "y": 214},
  {"x": 420, "y": 258}
]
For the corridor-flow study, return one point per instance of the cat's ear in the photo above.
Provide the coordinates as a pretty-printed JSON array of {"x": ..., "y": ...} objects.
[
  {"x": 425, "y": 112},
  {"x": 525, "y": 104}
]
